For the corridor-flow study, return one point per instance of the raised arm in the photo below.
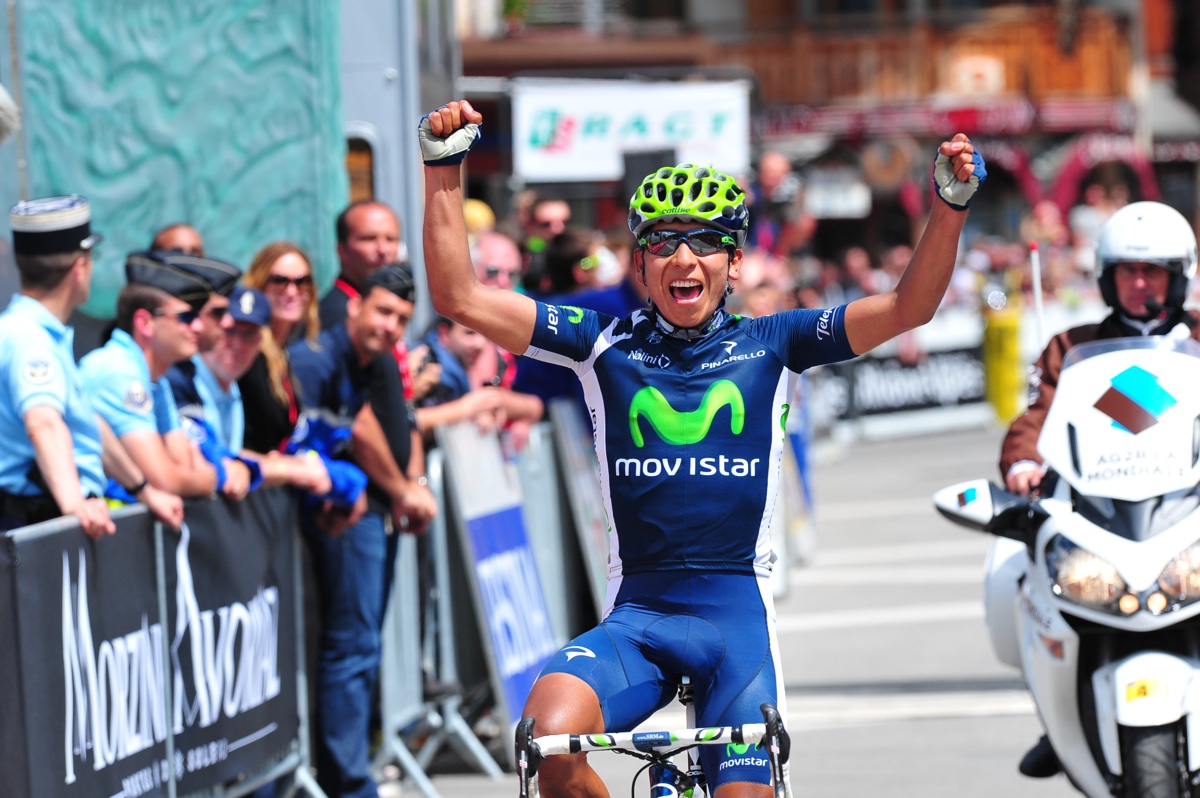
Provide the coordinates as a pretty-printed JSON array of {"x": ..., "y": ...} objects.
[
  {"x": 504, "y": 316},
  {"x": 872, "y": 320}
]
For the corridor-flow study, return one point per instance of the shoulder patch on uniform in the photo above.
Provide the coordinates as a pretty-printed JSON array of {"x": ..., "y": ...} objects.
[
  {"x": 138, "y": 399},
  {"x": 38, "y": 371}
]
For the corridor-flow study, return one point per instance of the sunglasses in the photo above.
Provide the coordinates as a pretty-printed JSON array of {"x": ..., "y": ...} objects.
[
  {"x": 182, "y": 316},
  {"x": 492, "y": 272},
  {"x": 301, "y": 283},
  {"x": 700, "y": 242},
  {"x": 217, "y": 313}
]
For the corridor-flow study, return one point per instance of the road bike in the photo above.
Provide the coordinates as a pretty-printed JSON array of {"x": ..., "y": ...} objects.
[{"x": 670, "y": 775}]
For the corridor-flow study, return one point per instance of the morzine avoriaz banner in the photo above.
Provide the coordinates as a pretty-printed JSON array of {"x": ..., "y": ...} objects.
[{"x": 98, "y": 680}]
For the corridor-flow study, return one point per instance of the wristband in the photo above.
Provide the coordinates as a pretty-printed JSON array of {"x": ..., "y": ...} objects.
[{"x": 138, "y": 488}]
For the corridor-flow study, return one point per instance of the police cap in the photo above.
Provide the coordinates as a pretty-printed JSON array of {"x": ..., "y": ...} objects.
[
  {"x": 188, "y": 277},
  {"x": 52, "y": 225}
]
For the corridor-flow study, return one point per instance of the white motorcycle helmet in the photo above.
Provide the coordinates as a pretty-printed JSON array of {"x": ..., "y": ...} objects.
[{"x": 1147, "y": 232}]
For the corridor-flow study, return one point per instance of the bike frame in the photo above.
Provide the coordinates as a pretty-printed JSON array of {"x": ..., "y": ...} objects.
[{"x": 657, "y": 748}]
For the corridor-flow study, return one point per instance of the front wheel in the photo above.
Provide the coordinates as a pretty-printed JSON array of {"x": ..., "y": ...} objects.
[{"x": 1152, "y": 762}]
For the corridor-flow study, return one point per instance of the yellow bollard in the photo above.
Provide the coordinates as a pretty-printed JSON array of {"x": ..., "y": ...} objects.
[{"x": 1004, "y": 377}]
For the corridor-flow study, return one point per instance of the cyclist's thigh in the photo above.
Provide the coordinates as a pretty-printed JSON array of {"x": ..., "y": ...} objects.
[
  {"x": 610, "y": 660},
  {"x": 744, "y": 679}
]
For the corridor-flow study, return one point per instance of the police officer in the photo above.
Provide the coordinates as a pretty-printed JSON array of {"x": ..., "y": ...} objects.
[
  {"x": 157, "y": 326},
  {"x": 51, "y": 462}
]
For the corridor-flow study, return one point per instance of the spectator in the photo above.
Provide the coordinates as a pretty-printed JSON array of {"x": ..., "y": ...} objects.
[
  {"x": 354, "y": 563},
  {"x": 179, "y": 237},
  {"x": 490, "y": 406},
  {"x": 218, "y": 413},
  {"x": 548, "y": 216},
  {"x": 781, "y": 226},
  {"x": 572, "y": 261},
  {"x": 479, "y": 217},
  {"x": 156, "y": 327},
  {"x": 51, "y": 463},
  {"x": 283, "y": 272},
  {"x": 368, "y": 237}
]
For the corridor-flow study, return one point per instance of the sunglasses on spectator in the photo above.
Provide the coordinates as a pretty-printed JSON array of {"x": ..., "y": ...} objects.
[
  {"x": 247, "y": 334},
  {"x": 181, "y": 316},
  {"x": 492, "y": 272},
  {"x": 301, "y": 283},
  {"x": 217, "y": 313},
  {"x": 700, "y": 242}
]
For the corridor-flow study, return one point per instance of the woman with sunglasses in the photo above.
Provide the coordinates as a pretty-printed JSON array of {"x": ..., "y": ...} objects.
[
  {"x": 283, "y": 272},
  {"x": 687, "y": 402}
]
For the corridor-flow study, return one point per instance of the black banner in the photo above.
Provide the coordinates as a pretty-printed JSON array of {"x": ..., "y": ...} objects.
[
  {"x": 869, "y": 386},
  {"x": 103, "y": 680},
  {"x": 231, "y": 612}
]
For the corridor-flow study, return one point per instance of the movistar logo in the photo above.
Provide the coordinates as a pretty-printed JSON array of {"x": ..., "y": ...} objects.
[
  {"x": 737, "y": 749},
  {"x": 576, "y": 314},
  {"x": 684, "y": 428}
]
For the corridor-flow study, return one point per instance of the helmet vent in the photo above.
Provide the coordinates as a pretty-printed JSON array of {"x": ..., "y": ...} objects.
[
  {"x": 660, "y": 192},
  {"x": 706, "y": 207},
  {"x": 694, "y": 192},
  {"x": 677, "y": 197},
  {"x": 702, "y": 172},
  {"x": 680, "y": 178}
]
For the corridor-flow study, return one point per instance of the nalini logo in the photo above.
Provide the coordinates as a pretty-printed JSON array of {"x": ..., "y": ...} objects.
[
  {"x": 1135, "y": 401},
  {"x": 684, "y": 428}
]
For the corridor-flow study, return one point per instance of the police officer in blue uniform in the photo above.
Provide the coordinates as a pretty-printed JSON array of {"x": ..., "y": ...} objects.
[
  {"x": 50, "y": 464},
  {"x": 157, "y": 326}
]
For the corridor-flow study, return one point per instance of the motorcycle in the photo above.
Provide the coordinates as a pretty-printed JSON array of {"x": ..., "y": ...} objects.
[{"x": 1092, "y": 589}]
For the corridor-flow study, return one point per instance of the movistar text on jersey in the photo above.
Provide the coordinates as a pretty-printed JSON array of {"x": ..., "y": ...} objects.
[
  {"x": 732, "y": 359},
  {"x": 696, "y": 466}
]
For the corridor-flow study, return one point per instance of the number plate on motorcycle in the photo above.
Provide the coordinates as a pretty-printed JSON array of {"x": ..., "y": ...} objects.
[{"x": 1142, "y": 688}]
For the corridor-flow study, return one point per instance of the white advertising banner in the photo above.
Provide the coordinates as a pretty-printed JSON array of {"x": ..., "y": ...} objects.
[{"x": 573, "y": 130}]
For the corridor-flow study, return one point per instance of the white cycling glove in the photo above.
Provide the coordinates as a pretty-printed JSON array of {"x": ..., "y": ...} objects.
[
  {"x": 449, "y": 150},
  {"x": 953, "y": 191}
]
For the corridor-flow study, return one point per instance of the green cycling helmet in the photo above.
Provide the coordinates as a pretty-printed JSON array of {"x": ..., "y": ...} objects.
[{"x": 690, "y": 193}]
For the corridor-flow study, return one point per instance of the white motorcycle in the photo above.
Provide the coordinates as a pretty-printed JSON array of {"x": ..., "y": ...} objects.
[{"x": 1093, "y": 590}]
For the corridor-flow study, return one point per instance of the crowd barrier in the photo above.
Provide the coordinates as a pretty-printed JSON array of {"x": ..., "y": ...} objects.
[{"x": 154, "y": 662}]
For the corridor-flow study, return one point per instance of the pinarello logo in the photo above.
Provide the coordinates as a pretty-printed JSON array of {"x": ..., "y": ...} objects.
[{"x": 1135, "y": 401}]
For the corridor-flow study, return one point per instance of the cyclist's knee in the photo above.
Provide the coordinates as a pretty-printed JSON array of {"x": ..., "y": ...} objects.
[
  {"x": 561, "y": 703},
  {"x": 743, "y": 789}
]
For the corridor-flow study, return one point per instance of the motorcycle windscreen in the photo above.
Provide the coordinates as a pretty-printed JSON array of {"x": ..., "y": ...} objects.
[{"x": 1125, "y": 420}]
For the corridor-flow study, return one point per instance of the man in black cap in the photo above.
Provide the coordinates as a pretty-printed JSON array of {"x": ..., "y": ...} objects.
[
  {"x": 354, "y": 564},
  {"x": 157, "y": 326},
  {"x": 57, "y": 448}
]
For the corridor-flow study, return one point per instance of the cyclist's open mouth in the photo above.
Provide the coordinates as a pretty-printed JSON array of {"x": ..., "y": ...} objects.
[{"x": 686, "y": 290}]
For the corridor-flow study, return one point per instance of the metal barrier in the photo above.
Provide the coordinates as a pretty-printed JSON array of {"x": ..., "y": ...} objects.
[
  {"x": 405, "y": 713},
  {"x": 162, "y": 663}
]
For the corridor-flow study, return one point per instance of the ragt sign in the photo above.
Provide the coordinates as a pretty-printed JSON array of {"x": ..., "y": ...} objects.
[{"x": 573, "y": 130}]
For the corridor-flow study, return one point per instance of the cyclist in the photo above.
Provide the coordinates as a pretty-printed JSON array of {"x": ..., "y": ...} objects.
[
  {"x": 688, "y": 403},
  {"x": 1146, "y": 256}
]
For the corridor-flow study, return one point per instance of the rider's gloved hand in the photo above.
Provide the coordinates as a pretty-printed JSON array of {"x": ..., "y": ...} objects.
[
  {"x": 952, "y": 191},
  {"x": 446, "y": 150}
]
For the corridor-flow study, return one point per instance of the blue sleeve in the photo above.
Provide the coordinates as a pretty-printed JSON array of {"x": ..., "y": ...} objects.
[
  {"x": 566, "y": 335},
  {"x": 118, "y": 394},
  {"x": 807, "y": 337},
  {"x": 310, "y": 372},
  {"x": 166, "y": 414},
  {"x": 36, "y": 378}
]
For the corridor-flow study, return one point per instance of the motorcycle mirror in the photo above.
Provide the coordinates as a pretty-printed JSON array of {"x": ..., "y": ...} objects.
[{"x": 986, "y": 507}]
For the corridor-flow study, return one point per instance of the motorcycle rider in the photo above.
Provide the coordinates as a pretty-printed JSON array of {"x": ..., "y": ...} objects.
[{"x": 1145, "y": 257}]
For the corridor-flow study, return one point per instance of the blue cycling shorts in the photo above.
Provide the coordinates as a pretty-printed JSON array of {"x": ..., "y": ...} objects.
[{"x": 717, "y": 628}]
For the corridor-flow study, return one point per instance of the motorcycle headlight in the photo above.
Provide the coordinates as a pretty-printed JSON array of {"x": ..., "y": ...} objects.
[
  {"x": 1082, "y": 577},
  {"x": 1180, "y": 580}
]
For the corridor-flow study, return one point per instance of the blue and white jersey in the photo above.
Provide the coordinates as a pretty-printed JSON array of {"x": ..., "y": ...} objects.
[{"x": 689, "y": 433}]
